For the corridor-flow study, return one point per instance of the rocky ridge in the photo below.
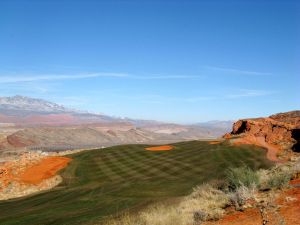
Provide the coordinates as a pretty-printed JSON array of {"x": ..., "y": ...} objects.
[
  {"x": 278, "y": 133},
  {"x": 30, "y": 104}
]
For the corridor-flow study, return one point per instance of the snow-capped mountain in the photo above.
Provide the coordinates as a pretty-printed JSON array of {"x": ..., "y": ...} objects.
[{"x": 30, "y": 104}]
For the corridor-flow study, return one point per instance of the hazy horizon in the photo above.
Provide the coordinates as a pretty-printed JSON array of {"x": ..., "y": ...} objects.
[{"x": 172, "y": 61}]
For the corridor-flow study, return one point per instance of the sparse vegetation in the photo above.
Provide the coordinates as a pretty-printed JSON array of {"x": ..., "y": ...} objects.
[
  {"x": 155, "y": 215},
  {"x": 279, "y": 176},
  {"x": 279, "y": 180},
  {"x": 242, "y": 177},
  {"x": 239, "y": 197},
  {"x": 207, "y": 200}
]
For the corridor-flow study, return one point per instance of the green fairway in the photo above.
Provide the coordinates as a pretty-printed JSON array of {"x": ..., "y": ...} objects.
[{"x": 104, "y": 182}]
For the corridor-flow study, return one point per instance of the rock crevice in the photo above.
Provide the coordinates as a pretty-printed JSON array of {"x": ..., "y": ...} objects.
[{"x": 296, "y": 136}]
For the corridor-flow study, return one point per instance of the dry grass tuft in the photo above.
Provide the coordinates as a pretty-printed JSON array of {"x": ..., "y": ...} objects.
[
  {"x": 165, "y": 215},
  {"x": 207, "y": 200},
  {"x": 205, "y": 203}
]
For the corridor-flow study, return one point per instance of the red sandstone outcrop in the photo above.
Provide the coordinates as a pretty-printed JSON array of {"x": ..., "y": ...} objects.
[{"x": 277, "y": 133}]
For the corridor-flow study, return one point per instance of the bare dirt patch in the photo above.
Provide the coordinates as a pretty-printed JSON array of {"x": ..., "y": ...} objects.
[
  {"x": 160, "y": 148},
  {"x": 248, "y": 217}
]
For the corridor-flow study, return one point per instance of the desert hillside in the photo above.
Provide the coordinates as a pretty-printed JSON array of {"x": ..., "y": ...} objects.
[{"x": 42, "y": 125}]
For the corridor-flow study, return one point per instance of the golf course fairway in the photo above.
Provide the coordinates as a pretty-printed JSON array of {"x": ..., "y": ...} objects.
[{"x": 104, "y": 182}]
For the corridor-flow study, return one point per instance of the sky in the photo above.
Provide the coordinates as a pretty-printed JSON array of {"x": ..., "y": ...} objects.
[{"x": 177, "y": 61}]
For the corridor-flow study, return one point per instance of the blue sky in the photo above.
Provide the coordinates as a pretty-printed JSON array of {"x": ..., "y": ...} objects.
[{"x": 178, "y": 61}]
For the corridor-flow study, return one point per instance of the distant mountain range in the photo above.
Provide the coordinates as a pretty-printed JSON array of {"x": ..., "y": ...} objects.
[
  {"x": 219, "y": 124},
  {"x": 37, "y": 122},
  {"x": 23, "y": 110},
  {"x": 26, "y": 104}
]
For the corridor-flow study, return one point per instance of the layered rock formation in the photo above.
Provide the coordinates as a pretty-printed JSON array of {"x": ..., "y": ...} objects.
[{"x": 277, "y": 133}]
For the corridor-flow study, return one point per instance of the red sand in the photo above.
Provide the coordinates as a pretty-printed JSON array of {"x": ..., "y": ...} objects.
[
  {"x": 160, "y": 148},
  {"x": 248, "y": 217},
  {"x": 45, "y": 169},
  {"x": 290, "y": 204},
  {"x": 295, "y": 182}
]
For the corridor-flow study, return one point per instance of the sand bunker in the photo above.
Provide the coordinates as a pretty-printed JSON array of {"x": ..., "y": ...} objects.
[
  {"x": 214, "y": 142},
  {"x": 160, "y": 148},
  {"x": 45, "y": 169}
]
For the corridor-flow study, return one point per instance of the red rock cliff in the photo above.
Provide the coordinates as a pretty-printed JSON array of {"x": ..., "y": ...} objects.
[{"x": 280, "y": 131}]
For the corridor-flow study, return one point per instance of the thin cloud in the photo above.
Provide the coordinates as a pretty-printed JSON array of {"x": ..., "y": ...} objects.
[
  {"x": 238, "y": 71},
  {"x": 199, "y": 98},
  {"x": 29, "y": 78},
  {"x": 165, "y": 99},
  {"x": 162, "y": 77},
  {"x": 161, "y": 99},
  {"x": 242, "y": 93},
  {"x": 32, "y": 78},
  {"x": 248, "y": 93}
]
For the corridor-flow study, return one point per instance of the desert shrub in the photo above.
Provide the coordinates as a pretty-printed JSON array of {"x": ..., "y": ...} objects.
[
  {"x": 219, "y": 184},
  {"x": 277, "y": 177},
  {"x": 241, "y": 195},
  {"x": 263, "y": 176},
  {"x": 242, "y": 176},
  {"x": 279, "y": 180},
  {"x": 199, "y": 216}
]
